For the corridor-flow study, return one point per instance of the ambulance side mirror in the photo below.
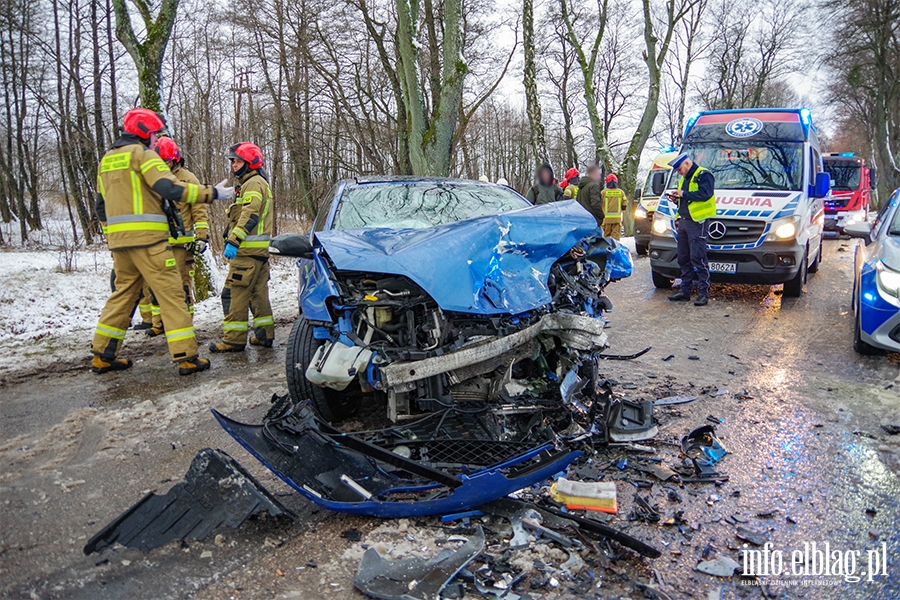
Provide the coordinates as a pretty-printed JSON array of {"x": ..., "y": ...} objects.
[
  {"x": 658, "y": 182},
  {"x": 291, "y": 244},
  {"x": 823, "y": 185},
  {"x": 862, "y": 231}
]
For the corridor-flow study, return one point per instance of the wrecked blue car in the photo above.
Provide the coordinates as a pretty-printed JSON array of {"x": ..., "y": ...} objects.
[
  {"x": 427, "y": 293},
  {"x": 474, "y": 318}
]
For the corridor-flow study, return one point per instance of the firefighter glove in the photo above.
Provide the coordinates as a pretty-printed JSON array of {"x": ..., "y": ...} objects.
[
  {"x": 230, "y": 251},
  {"x": 224, "y": 192},
  {"x": 201, "y": 247}
]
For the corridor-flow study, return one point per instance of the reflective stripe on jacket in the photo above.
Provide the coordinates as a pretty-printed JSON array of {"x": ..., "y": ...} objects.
[
  {"x": 251, "y": 219},
  {"x": 194, "y": 216},
  {"x": 613, "y": 200},
  {"x": 701, "y": 209}
]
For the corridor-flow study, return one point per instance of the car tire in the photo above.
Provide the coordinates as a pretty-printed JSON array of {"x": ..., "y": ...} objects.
[
  {"x": 859, "y": 345},
  {"x": 332, "y": 405},
  {"x": 641, "y": 249},
  {"x": 794, "y": 287},
  {"x": 814, "y": 268},
  {"x": 661, "y": 281}
]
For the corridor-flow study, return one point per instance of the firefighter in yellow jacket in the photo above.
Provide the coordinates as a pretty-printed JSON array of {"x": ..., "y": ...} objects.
[
  {"x": 196, "y": 231},
  {"x": 251, "y": 220},
  {"x": 614, "y": 202},
  {"x": 134, "y": 187}
]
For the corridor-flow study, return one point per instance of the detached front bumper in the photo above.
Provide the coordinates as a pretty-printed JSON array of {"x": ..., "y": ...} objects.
[{"x": 768, "y": 264}]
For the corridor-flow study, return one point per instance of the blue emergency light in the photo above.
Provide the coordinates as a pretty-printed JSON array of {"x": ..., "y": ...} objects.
[{"x": 845, "y": 154}]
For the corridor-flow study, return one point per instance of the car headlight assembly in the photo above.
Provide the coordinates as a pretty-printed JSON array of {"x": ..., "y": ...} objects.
[
  {"x": 888, "y": 279},
  {"x": 661, "y": 225},
  {"x": 640, "y": 213},
  {"x": 783, "y": 229}
]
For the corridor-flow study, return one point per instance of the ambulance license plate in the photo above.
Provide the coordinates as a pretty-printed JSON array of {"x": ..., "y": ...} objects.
[{"x": 722, "y": 267}]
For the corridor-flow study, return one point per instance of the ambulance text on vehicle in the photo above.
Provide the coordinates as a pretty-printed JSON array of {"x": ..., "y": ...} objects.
[{"x": 770, "y": 187}]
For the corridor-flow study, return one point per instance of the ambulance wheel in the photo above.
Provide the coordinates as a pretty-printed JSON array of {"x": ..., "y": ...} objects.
[
  {"x": 332, "y": 405},
  {"x": 794, "y": 287},
  {"x": 661, "y": 281},
  {"x": 641, "y": 249},
  {"x": 814, "y": 268}
]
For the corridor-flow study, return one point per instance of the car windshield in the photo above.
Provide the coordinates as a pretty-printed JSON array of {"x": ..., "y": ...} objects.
[
  {"x": 844, "y": 174},
  {"x": 894, "y": 229},
  {"x": 766, "y": 165},
  {"x": 419, "y": 205}
]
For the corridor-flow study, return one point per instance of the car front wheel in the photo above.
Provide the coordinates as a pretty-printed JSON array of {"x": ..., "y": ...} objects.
[
  {"x": 332, "y": 405},
  {"x": 794, "y": 287},
  {"x": 661, "y": 281}
]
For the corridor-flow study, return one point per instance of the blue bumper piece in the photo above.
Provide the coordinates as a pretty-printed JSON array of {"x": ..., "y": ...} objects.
[{"x": 345, "y": 474}]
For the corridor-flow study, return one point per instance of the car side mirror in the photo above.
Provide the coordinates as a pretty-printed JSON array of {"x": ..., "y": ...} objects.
[
  {"x": 822, "y": 186},
  {"x": 291, "y": 244},
  {"x": 658, "y": 183},
  {"x": 862, "y": 231}
]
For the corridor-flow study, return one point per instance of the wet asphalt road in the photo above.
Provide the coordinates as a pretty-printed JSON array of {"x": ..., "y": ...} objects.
[{"x": 800, "y": 415}]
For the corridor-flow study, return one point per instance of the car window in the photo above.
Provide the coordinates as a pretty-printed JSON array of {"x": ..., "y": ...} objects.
[
  {"x": 881, "y": 217},
  {"x": 415, "y": 205},
  {"x": 324, "y": 209},
  {"x": 894, "y": 229}
]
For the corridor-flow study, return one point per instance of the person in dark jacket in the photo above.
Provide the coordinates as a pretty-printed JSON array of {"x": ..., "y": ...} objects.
[
  {"x": 696, "y": 205},
  {"x": 590, "y": 193},
  {"x": 545, "y": 190}
]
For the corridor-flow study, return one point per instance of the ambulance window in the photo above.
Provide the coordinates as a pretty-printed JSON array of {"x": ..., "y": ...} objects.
[{"x": 815, "y": 165}]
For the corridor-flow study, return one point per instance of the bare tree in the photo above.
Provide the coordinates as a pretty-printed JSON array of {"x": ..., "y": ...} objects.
[{"x": 532, "y": 101}]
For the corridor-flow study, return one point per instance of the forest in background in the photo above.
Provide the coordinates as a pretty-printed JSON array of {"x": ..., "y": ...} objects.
[{"x": 333, "y": 89}]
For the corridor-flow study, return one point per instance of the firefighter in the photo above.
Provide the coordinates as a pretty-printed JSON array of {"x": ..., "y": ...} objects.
[
  {"x": 590, "y": 195},
  {"x": 196, "y": 231},
  {"x": 145, "y": 307},
  {"x": 134, "y": 188},
  {"x": 251, "y": 220},
  {"x": 696, "y": 200},
  {"x": 614, "y": 202},
  {"x": 570, "y": 189}
]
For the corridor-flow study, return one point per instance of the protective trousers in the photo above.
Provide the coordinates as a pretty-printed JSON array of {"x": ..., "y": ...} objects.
[
  {"x": 155, "y": 265},
  {"x": 247, "y": 289},
  {"x": 612, "y": 229},
  {"x": 145, "y": 304},
  {"x": 185, "y": 262},
  {"x": 692, "y": 256}
]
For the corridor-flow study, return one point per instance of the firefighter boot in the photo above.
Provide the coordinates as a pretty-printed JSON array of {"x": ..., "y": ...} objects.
[
  {"x": 225, "y": 347},
  {"x": 142, "y": 326},
  {"x": 192, "y": 365},
  {"x": 98, "y": 365},
  {"x": 259, "y": 338},
  {"x": 154, "y": 331}
]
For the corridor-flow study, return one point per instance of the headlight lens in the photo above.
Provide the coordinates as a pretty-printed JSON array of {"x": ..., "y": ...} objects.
[
  {"x": 640, "y": 213},
  {"x": 661, "y": 225},
  {"x": 888, "y": 279},
  {"x": 783, "y": 229}
]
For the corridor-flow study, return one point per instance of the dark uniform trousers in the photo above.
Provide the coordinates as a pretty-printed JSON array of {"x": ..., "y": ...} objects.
[{"x": 692, "y": 255}]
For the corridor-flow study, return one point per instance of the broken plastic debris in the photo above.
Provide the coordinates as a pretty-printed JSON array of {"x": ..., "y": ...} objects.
[
  {"x": 585, "y": 495},
  {"x": 216, "y": 491},
  {"x": 668, "y": 401},
  {"x": 720, "y": 567},
  {"x": 414, "y": 578},
  {"x": 702, "y": 442}
]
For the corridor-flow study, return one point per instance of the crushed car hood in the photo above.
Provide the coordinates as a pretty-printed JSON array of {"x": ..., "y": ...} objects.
[{"x": 490, "y": 265}]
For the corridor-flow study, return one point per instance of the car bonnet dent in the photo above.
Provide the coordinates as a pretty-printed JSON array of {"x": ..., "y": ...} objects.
[{"x": 489, "y": 265}]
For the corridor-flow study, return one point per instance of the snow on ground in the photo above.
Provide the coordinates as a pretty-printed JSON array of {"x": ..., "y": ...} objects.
[{"x": 47, "y": 313}]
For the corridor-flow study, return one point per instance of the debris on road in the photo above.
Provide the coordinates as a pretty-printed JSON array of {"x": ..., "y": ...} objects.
[
  {"x": 671, "y": 400},
  {"x": 414, "y": 578},
  {"x": 216, "y": 491},
  {"x": 583, "y": 495},
  {"x": 722, "y": 566}
]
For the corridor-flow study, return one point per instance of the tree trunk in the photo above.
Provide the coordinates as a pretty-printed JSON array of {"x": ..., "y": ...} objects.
[{"x": 532, "y": 101}]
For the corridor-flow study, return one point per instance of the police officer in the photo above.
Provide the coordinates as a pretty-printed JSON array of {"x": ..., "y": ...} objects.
[
  {"x": 196, "y": 231},
  {"x": 696, "y": 204},
  {"x": 251, "y": 220},
  {"x": 614, "y": 203},
  {"x": 133, "y": 183}
]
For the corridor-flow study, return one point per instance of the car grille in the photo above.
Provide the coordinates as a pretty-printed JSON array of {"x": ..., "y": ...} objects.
[{"x": 737, "y": 231}]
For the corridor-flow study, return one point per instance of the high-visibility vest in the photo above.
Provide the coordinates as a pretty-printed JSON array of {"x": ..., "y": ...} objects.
[
  {"x": 612, "y": 205},
  {"x": 700, "y": 211}
]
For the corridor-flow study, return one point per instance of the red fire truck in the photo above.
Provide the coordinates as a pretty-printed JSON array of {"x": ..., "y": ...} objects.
[{"x": 851, "y": 185}]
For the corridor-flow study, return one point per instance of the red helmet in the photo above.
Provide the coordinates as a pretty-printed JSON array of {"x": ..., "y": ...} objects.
[
  {"x": 573, "y": 172},
  {"x": 247, "y": 152},
  {"x": 142, "y": 122},
  {"x": 564, "y": 183},
  {"x": 168, "y": 149},
  {"x": 612, "y": 177}
]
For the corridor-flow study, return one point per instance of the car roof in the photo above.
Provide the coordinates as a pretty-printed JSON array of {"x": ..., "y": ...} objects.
[{"x": 370, "y": 179}]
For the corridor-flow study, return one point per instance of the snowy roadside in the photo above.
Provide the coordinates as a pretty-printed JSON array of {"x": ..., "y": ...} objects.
[{"x": 48, "y": 315}]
